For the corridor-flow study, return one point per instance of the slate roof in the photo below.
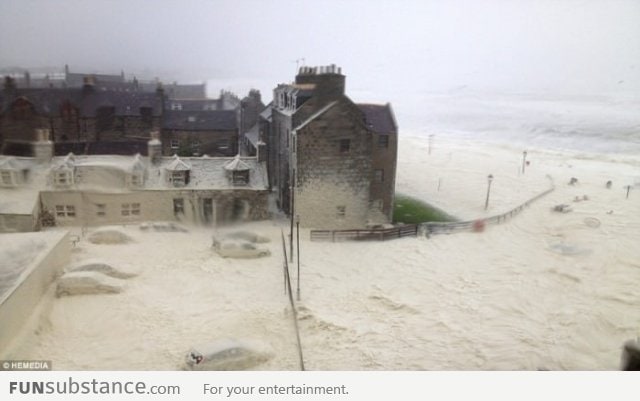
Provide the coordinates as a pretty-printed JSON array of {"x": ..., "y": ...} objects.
[
  {"x": 237, "y": 165},
  {"x": 49, "y": 101},
  {"x": 195, "y": 104},
  {"x": 215, "y": 120},
  {"x": 379, "y": 118}
]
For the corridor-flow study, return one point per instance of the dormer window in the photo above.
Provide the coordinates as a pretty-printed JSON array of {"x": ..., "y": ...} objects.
[
  {"x": 240, "y": 177},
  {"x": 135, "y": 179},
  {"x": 178, "y": 173},
  {"x": 135, "y": 176},
  {"x": 178, "y": 178},
  {"x": 238, "y": 172},
  {"x": 63, "y": 174},
  {"x": 10, "y": 173},
  {"x": 63, "y": 178},
  {"x": 7, "y": 178}
]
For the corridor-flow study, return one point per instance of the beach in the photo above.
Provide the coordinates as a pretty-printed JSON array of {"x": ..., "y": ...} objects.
[{"x": 543, "y": 290}]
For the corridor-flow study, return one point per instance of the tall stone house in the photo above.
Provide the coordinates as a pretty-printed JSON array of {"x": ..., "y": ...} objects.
[{"x": 331, "y": 162}]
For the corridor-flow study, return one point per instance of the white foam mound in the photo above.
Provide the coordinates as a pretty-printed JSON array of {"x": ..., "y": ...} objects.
[
  {"x": 248, "y": 236},
  {"x": 123, "y": 271},
  {"x": 239, "y": 249},
  {"x": 163, "y": 226},
  {"x": 77, "y": 283},
  {"x": 225, "y": 355},
  {"x": 109, "y": 236}
]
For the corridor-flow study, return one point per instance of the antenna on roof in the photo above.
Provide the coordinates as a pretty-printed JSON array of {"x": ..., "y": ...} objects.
[{"x": 298, "y": 60}]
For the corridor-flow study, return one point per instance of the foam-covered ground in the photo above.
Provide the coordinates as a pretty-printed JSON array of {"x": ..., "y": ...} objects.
[{"x": 507, "y": 298}]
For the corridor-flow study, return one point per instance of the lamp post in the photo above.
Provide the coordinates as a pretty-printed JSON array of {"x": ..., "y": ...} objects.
[
  {"x": 298, "y": 254},
  {"x": 489, "y": 179},
  {"x": 524, "y": 160}
]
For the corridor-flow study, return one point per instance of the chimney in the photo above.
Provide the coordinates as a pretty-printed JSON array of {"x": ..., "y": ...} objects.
[
  {"x": 9, "y": 86},
  {"x": 88, "y": 84},
  {"x": 329, "y": 81},
  {"x": 43, "y": 147},
  {"x": 154, "y": 148}
]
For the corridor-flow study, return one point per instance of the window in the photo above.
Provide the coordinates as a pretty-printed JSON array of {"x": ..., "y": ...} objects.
[
  {"x": 105, "y": 118},
  {"x": 22, "y": 109},
  {"x": 66, "y": 211},
  {"x": 383, "y": 141},
  {"x": 377, "y": 204},
  {"x": 288, "y": 135},
  {"x": 101, "y": 210},
  {"x": 146, "y": 114},
  {"x": 176, "y": 106},
  {"x": 191, "y": 119},
  {"x": 345, "y": 145},
  {"x": 240, "y": 177},
  {"x": 7, "y": 178},
  {"x": 178, "y": 178},
  {"x": 378, "y": 175},
  {"x": 130, "y": 209},
  {"x": 195, "y": 146},
  {"x": 136, "y": 179},
  {"x": 341, "y": 212},
  {"x": 178, "y": 206},
  {"x": 63, "y": 178},
  {"x": 175, "y": 144}
]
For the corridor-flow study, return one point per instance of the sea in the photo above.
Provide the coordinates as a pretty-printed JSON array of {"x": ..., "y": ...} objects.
[{"x": 600, "y": 123}]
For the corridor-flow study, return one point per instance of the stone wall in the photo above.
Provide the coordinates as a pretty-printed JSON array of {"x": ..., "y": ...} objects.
[
  {"x": 333, "y": 184},
  {"x": 206, "y": 207},
  {"x": 281, "y": 135},
  {"x": 385, "y": 159},
  {"x": 20, "y": 304},
  {"x": 211, "y": 142}
]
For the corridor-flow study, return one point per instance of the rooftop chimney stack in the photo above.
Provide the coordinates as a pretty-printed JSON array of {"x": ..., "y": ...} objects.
[
  {"x": 329, "y": 81},
  {"x": 154, "y": 148},
  {"x": 43, "y": 147}
]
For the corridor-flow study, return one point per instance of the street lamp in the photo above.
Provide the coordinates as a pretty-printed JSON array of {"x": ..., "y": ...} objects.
[
  {"x": 524, "y": 160},
  {"x": 489, "y": 179},
  {"x": 430, "y": 141},
  {"x": 298, "y": 254}
]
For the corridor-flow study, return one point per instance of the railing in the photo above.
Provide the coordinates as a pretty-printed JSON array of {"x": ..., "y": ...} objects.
[
  {"x": 378, "y": 234},
  {"x": 477, "y": 224},
  {"x": 428, "y": 229}
]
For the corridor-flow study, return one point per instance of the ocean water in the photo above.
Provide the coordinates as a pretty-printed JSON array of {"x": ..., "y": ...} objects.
[
  {"x": 589, "y": 124},
  {"x": 593, "y": 123}
]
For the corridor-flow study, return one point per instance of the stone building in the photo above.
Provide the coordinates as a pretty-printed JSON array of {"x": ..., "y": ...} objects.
[
  {"x": 75, "y": 116},
  {"x": 331, "y": 161},
  {"x": 195, "y": 133},
  {"x": 107, "y": 189}
]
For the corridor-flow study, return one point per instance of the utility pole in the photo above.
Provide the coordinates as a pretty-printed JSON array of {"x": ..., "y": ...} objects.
[{"x": 298, "y": 254}]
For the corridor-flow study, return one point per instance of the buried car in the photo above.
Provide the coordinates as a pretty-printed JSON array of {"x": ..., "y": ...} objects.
[
  {"x": 238, "y": 249},
  {"x": 224, "y": 355},
  {"x": 87, "y": 282},
  {"x": 104, "y": 268}
]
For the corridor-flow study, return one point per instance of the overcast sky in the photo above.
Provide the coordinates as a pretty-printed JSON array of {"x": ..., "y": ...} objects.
[{"x": 568, "y": 46}]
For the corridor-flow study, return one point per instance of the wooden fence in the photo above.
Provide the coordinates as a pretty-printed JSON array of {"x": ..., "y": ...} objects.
[
  {"x": 378, "y": 234},
  {"x": 428, "y": 229}
]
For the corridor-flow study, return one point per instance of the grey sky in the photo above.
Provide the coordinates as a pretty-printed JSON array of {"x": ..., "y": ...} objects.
[{"x": 569, "y": 46}]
